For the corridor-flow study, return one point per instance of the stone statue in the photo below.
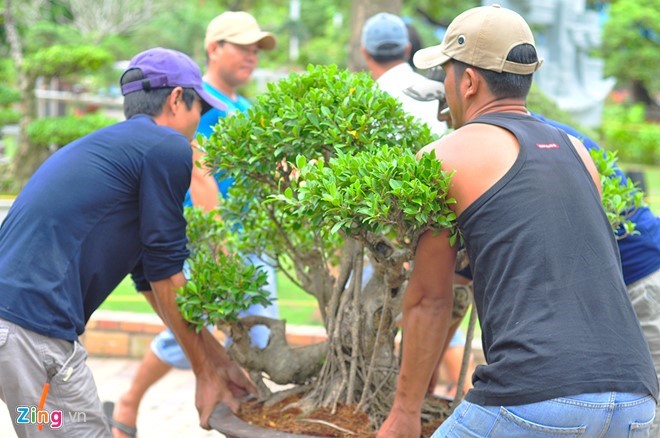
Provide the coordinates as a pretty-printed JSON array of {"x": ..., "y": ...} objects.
[{"x": 565, "y": 33}]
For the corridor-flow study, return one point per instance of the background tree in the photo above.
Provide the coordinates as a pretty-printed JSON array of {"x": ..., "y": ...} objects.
[
  {"x": 631, "y": 47},
  {"x": 440, "y": 13},
  {"x": 41, "y": 47},
  {"x": 111, "y": 17},
  {"x": 9, "y": 96}
]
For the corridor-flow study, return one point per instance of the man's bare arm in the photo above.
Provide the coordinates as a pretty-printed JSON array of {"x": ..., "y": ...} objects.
[
  {"x": 427, "y": 306},
  {"x": 219, "y": 379}
]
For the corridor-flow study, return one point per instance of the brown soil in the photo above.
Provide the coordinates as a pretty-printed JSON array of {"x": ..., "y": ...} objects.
[{"x": 284, "y": 418}]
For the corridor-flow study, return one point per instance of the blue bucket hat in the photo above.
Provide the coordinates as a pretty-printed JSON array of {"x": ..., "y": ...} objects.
[
  {"x": 384, "y": 34},
  {"x": 169, "y": 68}
]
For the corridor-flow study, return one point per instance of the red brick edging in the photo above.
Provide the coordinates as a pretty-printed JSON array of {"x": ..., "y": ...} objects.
[{"x": 128, "y": 334}]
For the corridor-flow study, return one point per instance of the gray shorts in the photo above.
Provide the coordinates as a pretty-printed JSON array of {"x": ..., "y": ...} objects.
[
  {"x": 28, "y": 362},
  {"x": 645, "y": 297}
]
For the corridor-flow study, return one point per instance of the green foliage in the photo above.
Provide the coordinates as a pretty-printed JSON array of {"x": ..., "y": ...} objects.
[
  {"x": 8, "y": 96},
  {"x": 630, "y": 42},
  {"x": 313, "y": 141},
  {"x": 46, "y": 34},
  {"x": 7, "y": 72},
  {"x": 385, "y": 191},
  {"x": 64, "y": 60},
  {"x": 620, "y": 198},
  {"x": 316, "y": 115},
  {"x": 60, "y": 131},
  {"x": 120, "y": 47},
  {"x": 323, "y": 40},
  {"x": 9, "y": 116},
  {"x": 625, "y": 130},
  {"x": 214, "y": 295}
]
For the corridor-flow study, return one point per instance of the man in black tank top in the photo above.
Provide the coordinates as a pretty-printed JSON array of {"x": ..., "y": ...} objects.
[{"x": 564, "y": 350}]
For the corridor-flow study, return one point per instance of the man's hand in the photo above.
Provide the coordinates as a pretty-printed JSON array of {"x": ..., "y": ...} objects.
[
  {"x": 400, "y": 424},
  {"x": 222, "y": 384},
  {"x": 221, "y": 381}
]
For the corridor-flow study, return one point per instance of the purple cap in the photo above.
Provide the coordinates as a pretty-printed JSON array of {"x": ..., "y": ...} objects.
[{"x": 169, "y": 68}]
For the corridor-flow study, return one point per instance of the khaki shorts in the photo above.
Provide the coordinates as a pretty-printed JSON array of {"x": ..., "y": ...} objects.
[{"x": 29, "y": 361}]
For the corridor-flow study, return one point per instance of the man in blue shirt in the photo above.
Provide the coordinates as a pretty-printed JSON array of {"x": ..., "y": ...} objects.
[
  {"x": 233, "y": 41},
  {"x": 104, "y": 206}
]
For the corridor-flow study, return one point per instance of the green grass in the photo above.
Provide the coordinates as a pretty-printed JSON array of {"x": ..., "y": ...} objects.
[
  {"x": 295, "y": 305},
  {"x": 652, "y": 177},
  {"x": 125, "y": 298}
]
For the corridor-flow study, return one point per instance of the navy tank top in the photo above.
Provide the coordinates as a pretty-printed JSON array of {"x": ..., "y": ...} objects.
[{"x": 555, "y": 314}]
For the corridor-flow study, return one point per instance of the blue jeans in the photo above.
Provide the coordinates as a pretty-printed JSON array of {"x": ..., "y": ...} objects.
[{"x": 608, "y": 414}]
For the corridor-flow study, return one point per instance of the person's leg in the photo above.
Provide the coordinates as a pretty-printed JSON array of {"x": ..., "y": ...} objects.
[
  {"x": 164, "y": 354},
  {"x": 150, "y": 370},
  {"x": 50, "y": 376},
  {"x": 450, "y": 365},
  {"x": 645, "y": 297}
]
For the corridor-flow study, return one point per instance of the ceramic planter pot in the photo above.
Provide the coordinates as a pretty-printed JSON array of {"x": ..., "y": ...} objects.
[{"x": 224, "y": 421}]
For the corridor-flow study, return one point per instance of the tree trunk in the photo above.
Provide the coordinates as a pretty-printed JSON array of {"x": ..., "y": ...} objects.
[
  {"x": 361, "y": 10},
  {"x": 641, "y": 94},
  {"x": 26, "y": 160},
  {"x": 358, "y": 364},
  {"x": 361, "y": 367}
]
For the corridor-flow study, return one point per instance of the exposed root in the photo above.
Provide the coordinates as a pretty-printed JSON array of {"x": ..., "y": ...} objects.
[
  {"x": 326, "y": 423},
  {"x": 281, "y": 395},
  {"x": 263, "y": 390}
]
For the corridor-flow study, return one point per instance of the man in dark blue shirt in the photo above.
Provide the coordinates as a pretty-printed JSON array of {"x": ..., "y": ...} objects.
[{"x": 104, "y": 206}]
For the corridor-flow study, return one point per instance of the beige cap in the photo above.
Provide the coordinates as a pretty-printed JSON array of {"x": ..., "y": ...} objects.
[
  {"x": 482, "y": 37},
  {"x": 238, "y": 28}
]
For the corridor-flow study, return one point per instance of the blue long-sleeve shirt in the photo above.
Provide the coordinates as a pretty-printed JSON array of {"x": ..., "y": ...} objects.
[
  {"x": 640, "y": 253},
  {"x": 104, "y": 206}
]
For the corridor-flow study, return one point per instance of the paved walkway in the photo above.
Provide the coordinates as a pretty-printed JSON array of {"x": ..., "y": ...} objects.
[{"x": 167, "y": 410}]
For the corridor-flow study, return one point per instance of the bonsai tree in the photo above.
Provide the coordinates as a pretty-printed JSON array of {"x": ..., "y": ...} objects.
[
  {"x": 325, "y": 174},
  {"x": 325, "y": 178}
]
